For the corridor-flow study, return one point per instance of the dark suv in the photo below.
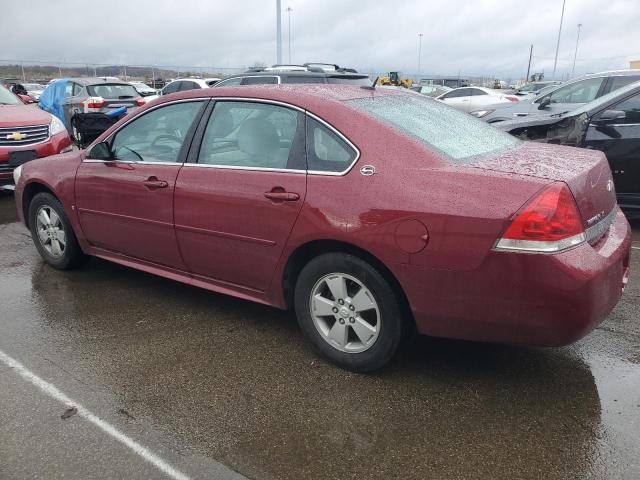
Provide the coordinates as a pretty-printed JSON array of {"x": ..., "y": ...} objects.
[{"x": 307, "y": 73}]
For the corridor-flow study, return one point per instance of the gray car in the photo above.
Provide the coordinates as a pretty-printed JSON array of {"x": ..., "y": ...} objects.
[
  {"x": 565, "y": 97},
  {"x": 98, "y": 95}
]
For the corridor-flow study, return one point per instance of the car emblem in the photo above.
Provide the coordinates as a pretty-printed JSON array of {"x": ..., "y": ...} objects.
[
  {"x": 16, "y": 136},
  {"x": 610, "y": 186},
  {"x": 367, "y": 170}
]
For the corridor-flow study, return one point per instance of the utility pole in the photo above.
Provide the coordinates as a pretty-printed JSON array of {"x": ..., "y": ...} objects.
[
  {"x": 555, "y": 62},
  {"x": 95, "y": 73},
  {"x": 420, "y": 54},
  {"x": 24, "y": 78},
  {"x": 278, "y": 32},
  {"x": 289, "y": 10},
  {"x": 575, "y": 55},
  {"x": 526, "y": 79}
]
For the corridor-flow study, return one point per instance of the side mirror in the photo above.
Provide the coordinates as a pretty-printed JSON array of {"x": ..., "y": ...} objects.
[
  {"x": 544, "y": 103},
  {"x": 100, "y": 151},
  {"x": 609, "y": 116}
]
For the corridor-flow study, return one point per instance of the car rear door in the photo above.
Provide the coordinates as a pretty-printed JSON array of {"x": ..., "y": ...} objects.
[
  {"x": 124, "y": 193},
  {"x": 620, "y": 140},
  {"x": 239, "y": 195}
]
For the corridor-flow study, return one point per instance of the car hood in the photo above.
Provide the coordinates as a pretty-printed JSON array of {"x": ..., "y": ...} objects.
[
  {"x": 586, "y": 172},
  {"x": 22, "y": 115}
]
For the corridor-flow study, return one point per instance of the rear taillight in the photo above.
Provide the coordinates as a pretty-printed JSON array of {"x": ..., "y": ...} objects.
[
  {"x": 93, "y": 102},
  {"x": 140, "y": 102},
  {"x": 549, "y": 223},
  {"x": 512, "y": 99}
]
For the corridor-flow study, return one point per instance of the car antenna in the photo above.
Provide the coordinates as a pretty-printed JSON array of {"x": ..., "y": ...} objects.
[{"x": 372, "y": 86}]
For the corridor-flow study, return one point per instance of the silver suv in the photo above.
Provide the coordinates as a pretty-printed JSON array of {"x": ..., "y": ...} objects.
[{"x": 567, "y": 96}]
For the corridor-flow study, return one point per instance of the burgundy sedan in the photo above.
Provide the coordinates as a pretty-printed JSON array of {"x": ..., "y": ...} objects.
[{"x": 371, "y": 212}]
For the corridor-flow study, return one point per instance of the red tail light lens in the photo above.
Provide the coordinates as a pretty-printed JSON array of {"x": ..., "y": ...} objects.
[
  {"x": 140, "y": 102},
  {"x": 93, "y": 102},
  {"x": 549, "y": 223},
  {"x": 512, "y": 99}
]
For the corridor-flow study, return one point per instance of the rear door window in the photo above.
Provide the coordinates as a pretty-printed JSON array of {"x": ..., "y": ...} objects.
[
  {"x": 326, "y": 151},
  {"x": 188, "y": 86},
  {"x": 620, "y": 81},
  {"x": 229, "y": 82},
  {"x": 252, "y": 136},
  {"x": 476, "y": 92},
  {"x": 171, "y": 88}
]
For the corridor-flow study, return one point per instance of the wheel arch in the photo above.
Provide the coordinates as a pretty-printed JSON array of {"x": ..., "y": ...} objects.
[
  {"x": 306, "y": 252},
  {"x": 29, "y": 192}
]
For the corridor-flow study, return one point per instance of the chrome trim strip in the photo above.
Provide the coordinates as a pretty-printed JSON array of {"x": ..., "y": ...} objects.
[
  {"x": 616, "y": 125},
  {"x": 123, "y": 162},
  {"x": 257, "y": 169},
  {"x": 253, "y": 100},
  {"x": 536, "y": 246},
  {"x": 594, "y": 232}
]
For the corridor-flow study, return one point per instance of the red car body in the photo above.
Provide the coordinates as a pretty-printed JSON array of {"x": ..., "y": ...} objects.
[
  {"x": 430, "y": 224},
  {"x": 34, "y": 124}
]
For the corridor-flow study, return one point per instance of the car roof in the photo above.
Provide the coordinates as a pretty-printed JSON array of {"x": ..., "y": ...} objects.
[
  {"x": 96, "y": 81},
  {"x": 297, "y": 73}
]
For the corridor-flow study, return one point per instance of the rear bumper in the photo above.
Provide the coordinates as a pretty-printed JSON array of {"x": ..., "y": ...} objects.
[
  {"x": 53, "y": 146},
  {"x": 533, "y": 299}
]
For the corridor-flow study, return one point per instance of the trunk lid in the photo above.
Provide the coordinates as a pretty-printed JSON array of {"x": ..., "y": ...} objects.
[{"x": 586, "y": 172}]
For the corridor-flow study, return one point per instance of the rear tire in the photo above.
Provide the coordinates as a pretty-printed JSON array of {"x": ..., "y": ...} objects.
[
  {"x": 349, "y": 311},
  {"x": 52, "y": 233}
]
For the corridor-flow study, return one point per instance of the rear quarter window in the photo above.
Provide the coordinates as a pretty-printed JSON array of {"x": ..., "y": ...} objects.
[{"x": 326, "y": 150}]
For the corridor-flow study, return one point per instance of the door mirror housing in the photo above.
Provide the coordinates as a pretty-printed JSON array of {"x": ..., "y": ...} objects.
[
  {"x": 544, "y": 103},
  {"x": 100, "y": 151},
  {"x": 609, "y": 116}
]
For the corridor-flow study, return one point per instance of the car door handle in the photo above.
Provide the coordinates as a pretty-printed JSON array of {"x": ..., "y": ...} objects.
[
  {"x": 282, "y": 196},
  {"x": 153, "y": 183}
]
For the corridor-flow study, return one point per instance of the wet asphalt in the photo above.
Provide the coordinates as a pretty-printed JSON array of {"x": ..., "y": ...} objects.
[{"x": 221, "y": 388}]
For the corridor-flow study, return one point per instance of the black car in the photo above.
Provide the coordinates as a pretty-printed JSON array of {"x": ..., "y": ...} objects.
[
  {"x": 288, "y": 74},
  {"x": 610, "y": 124}
]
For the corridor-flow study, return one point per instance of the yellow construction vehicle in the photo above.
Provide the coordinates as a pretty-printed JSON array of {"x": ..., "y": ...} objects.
[{"x": 394, "y": 79}]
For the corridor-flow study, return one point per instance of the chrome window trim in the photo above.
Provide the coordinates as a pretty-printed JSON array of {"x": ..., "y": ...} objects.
[
  {"x": 250, "y": 100},
  {"x": 299, "y": 109},
  {"x": 134, "y": 162},
  {"x": 617, "y": 125},
  {"x": 155, "y": 107}
]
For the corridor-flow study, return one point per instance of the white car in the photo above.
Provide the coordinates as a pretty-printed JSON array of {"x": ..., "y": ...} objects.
[
  {"x": 468, "y": 99},
  {"x": 183, "y": 84}
]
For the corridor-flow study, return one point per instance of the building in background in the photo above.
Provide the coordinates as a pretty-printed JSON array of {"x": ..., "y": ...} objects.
[{"x": 634, "y": 64}]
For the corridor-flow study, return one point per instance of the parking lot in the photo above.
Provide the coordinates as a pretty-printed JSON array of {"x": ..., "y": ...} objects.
[{"x": 172, "y": 380}]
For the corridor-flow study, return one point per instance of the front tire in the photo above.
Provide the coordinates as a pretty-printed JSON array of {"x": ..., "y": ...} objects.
[
  {"x": 349, "y": 311},
  {"x": 52, "y": 233}
]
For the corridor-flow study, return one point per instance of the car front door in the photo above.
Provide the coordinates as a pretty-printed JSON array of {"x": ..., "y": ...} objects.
[
  {"x": 619, "y": 139},
  {"x": 125, "y": 187},
  {"x": 238, "y": 197}
]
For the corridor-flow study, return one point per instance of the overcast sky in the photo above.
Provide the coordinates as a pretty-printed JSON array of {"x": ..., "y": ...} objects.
[{"x": 480, "y": 37}]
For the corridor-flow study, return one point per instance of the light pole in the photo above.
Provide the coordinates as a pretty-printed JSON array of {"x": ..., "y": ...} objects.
[
  {"x": 555, "y": 62},
  {"x": 289, "y": 10},
  {"x": 278, "y": 32},
  {"x": 575, "y": 55},
  {"x": 420, "y": 54}
]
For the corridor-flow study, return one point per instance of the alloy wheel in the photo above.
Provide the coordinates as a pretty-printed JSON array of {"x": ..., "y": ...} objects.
[
  {"x": 345, "y": 312},
  {"x": 51, "y": 233}
]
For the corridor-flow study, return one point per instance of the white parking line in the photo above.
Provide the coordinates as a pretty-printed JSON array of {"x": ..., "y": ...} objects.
[{"x": 56, "y": 394}]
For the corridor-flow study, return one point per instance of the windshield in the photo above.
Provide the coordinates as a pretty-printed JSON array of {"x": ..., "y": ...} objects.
[
  {"x": 603, "y": 100},
  {"x": 8, "y": 98},
  {"x": 112, "y": 91},
  {"x": 457, "y": 135}
]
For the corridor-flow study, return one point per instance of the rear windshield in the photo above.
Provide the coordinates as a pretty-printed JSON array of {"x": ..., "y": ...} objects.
[
  {"x": 112, "y": 91},
  {"x": 350, "y": 80},
  {"x": 457, "y": 135}
]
